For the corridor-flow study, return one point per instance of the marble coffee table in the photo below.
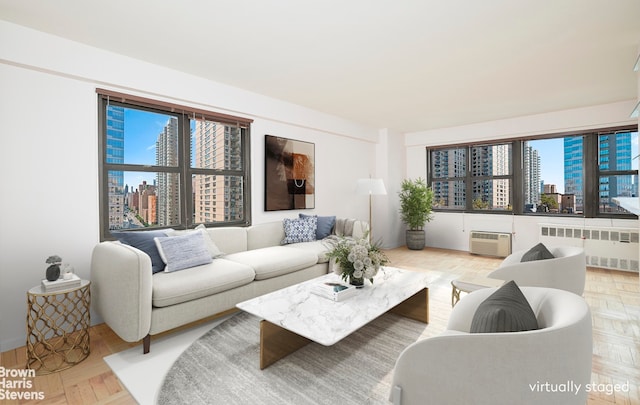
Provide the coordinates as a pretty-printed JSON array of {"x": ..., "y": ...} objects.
[{"x": 293, "y": 316}]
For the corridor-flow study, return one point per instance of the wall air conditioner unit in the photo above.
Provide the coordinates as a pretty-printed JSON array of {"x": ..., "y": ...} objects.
[{"x": 490, "y": 243}]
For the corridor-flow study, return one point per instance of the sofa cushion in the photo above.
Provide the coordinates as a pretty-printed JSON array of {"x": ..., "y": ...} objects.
[
  {"x": 299, "y": 230},
  {"x": 144, "y": 241},
  {"x": 506, "y": 310},
  {"x": 183, "y": 251},
  {"x": 538, "y": 252},
  {"x": 200, "y": 281},
  {"x": 230, "y": 239},
  {"x": 325, "y": 225},
  {"x": 274, "y": 261},
  {"x": 318, "y": 247}
]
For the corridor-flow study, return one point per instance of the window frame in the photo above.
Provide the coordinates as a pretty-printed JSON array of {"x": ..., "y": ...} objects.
[
  {"x": 184, "y": 168},
  {"x": 591, "y": 173}
]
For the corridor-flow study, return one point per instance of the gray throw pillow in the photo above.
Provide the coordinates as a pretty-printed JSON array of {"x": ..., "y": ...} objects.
[
  {"x": 538, "y": 252},
  {"x": 506, "y": 310},
  {"x": 143, "y": 240}
]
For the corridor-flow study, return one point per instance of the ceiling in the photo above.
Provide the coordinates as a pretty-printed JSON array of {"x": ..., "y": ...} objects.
[{"x": 406, "y": 65}]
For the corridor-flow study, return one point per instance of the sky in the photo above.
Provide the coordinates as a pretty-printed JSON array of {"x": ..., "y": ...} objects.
[
  {"x": 551, "y": 152},
  {"x": 142, "y": 129}
]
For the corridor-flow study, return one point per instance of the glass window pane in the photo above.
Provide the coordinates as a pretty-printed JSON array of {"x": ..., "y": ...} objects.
[
  {"x": 618, "y": 151},
  {"x": 143, "y": 199},
  {"x": 215, "y": 146},
  {"x": 448, "y": 163},
  {"x": 217, "y": 198},
  {"x": 491, "y": 160},
  {"x": 613, "y": 189},
  {"x": 552, "y": 172},
  {"x": 449, "y": 194},
  {"x": 141, "y": 137},
  {"x": 491, "y": 194}
]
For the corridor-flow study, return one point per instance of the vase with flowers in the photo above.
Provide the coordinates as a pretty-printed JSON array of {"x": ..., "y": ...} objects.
[{"x": 355, "y": 259}]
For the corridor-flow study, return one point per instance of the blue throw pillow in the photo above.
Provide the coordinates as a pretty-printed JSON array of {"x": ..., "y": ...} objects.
[
  {"x": 144, "y": 241},
  {"x": 325, "y": 225},
  {"x": 299, "y": 230}
]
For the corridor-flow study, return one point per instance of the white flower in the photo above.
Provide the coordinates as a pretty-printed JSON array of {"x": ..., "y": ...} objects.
[
  {"x": 358, "y": 265},
  {"x": 358, "y": 274},
  {"x": 370, "y": 272}
]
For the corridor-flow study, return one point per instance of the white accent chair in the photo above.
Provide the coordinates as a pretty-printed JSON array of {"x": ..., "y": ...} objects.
[
  {"x": 566, "y": 271},
  {"x": 459, "y": 367}
]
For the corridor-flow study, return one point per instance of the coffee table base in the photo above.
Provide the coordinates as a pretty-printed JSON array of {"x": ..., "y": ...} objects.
[{"x": 277, "y": 342}]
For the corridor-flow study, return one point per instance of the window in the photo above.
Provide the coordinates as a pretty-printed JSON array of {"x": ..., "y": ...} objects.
[
  {"x": 617, "y": 170},
  {"x": 164, "y": 165},
  {"x": 482, "y": 172},
  {"x": 543, "y": 176}
]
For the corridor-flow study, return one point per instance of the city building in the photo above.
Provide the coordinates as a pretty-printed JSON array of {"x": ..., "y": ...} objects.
[
  {"x": 531, "y": 169},
  {"x": 216, "y": 197},
  {"x": 167, "y": 191},
  {"x": 115, "y": 154}
]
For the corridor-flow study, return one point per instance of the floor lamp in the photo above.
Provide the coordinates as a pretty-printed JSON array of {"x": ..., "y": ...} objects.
[{"x": 371, "y": 187}]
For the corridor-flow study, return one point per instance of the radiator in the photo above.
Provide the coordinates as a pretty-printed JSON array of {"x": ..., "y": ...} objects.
[
  {"x": 610, "y": 248},
  {"x": 490, "y": 243}
]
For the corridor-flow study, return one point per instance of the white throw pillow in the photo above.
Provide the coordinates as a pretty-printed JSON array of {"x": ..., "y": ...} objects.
[
  {"x": 184, "y": 251},
  {"x": 211, "y": 245}
]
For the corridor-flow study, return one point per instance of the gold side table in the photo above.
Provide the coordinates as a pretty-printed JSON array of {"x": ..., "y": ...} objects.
[{"x": 58, "y": 327}]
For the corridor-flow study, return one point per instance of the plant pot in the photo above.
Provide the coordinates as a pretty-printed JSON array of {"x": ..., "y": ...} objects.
[{"x": 415, "y": 239}]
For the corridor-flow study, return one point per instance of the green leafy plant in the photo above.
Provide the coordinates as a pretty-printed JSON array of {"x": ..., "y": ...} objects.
[{"x": 416, "y": 202}]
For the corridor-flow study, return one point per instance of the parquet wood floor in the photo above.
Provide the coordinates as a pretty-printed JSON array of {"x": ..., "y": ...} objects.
[{"x": 614, "y": 298}]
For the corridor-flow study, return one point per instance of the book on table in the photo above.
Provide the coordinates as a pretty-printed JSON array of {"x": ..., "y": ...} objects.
[
  {"x": 61, "y": 283},
  {"x": 333, "y": 290}
]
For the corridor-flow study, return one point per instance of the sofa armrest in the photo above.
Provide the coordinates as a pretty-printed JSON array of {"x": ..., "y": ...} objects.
[{"x": 121, "y": 288}]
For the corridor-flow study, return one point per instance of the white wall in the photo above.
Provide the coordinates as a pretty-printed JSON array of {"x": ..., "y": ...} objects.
[
  {"x": 451, "y": 230},
  {"x": 49, "y": 153}
]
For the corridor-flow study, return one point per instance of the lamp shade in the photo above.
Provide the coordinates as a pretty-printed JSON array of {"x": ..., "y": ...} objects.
[{"x": 371, "y": 187}]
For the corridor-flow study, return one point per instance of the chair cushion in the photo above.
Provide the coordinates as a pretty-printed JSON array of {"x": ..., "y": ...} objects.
[
  {"x": 538, "y": 252},
  {"x": 506, "y": 310}
]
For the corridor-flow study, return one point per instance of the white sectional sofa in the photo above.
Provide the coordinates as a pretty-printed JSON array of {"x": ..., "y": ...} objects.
[{"x": 136, "y": 303}]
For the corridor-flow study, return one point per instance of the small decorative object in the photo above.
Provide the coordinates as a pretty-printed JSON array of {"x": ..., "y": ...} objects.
[
  {"x": 53, "y": 271},
  {"x": 356, "y": 259},
  {"x": 67, "y": 271}
]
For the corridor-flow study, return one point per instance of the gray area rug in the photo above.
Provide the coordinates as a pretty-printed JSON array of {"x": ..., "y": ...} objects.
[{"x": 222, "y": 367}]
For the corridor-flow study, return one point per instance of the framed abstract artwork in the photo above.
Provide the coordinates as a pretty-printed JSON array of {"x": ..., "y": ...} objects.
[{"x": 289, "y": 174}]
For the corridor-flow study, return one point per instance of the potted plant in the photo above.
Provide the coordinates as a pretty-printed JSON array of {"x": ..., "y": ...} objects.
[
  {"x": 416, "y": 201},
  {"x": 356, "y": 259}
]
